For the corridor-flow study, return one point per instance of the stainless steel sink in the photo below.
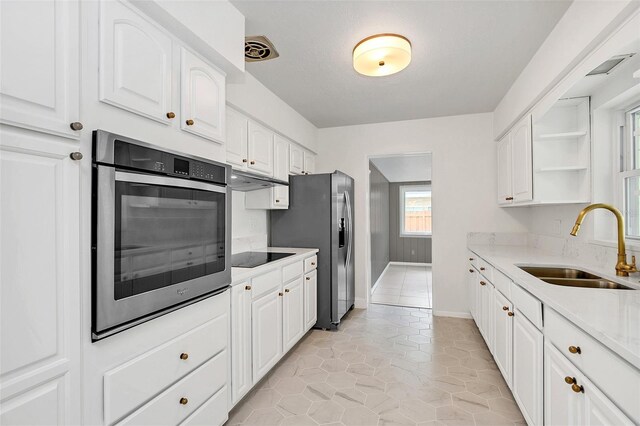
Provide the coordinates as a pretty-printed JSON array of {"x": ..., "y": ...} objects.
[{"x": 571, "y": 277}]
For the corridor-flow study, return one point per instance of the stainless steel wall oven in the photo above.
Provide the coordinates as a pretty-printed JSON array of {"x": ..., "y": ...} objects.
[{"x": 161, "y": 231}]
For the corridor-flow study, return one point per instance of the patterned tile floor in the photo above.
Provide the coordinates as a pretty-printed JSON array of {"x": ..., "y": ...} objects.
[
  {"x": 404, "y": 285},
  {"x": 386, "y": 365}
]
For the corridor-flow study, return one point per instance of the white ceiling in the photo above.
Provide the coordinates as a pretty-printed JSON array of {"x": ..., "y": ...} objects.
[
  {"x": 466, "y": 54},
  {"x": 404, "y": 168}
]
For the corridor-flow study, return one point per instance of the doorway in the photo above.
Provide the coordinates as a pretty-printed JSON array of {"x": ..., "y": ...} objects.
[{"x": 400, "y": 223}]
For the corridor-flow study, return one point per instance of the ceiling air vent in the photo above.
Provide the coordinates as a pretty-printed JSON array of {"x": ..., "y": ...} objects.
[
  {"x": 607, "y": 66},
  {"x": 259, "y": 48}
]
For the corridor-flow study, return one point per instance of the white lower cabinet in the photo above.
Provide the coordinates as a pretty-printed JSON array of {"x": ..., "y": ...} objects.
[
  {"x": 472, "y": 287},
  {"x": 266, "y": 331},
  {"x": 527, "y": 368},
  {"x": 310, "y": 299},
  {"x": 241, "y": 378},
  {"x": 486, "y": 299},
  {"x": 293, "y": 313},
  {"x": 503, "y": 338},
  {"x": 570, "y": 398}
]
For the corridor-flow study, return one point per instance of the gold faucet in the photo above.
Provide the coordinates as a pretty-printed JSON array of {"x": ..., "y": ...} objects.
[{"x": 622, "y": 267}]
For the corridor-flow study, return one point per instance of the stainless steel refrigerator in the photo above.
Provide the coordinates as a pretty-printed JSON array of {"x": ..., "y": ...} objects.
[{"x": 320, "y": 215}]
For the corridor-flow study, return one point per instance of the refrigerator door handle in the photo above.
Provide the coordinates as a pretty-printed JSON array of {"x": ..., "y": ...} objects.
[{"x": 350, "y": 227}]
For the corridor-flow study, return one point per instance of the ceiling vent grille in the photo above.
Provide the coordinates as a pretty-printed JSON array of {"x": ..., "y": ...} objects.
[
  {"x": 259, "y": 48},
  {"x": 609, "y": 65}
]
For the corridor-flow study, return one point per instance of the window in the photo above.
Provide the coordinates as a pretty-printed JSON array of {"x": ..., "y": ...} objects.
[
  {"x": 630, "y": 172},
  {"x": 415, "y": 211}
]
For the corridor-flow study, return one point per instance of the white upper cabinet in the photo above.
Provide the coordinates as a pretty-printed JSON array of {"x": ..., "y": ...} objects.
[
  {"x": 39, "y": 72},
  {"x": 280, "y": 158},
  {"x": 505, "y": 193},
  {"x": 309, "y": 163},
  {"x": 522, "y": 168},
  {"x": 260, "y": 149},
  {"x": 236, "y": 144},
  {"x": 296, "y": 159},
  {"x": 135, "y": 62},
  {"x": 202, "y": 90}
]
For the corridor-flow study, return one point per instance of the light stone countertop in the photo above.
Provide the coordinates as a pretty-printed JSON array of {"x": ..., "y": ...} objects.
[
  {"x": 610, "y": 316},
  {"x": 240, "y": 275}
]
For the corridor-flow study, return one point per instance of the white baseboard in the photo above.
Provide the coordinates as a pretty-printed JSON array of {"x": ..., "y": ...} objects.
[
  {"x": 360, "y": 303},
  {"x": 465, "y": 315},
  {"x": 373, "y": 288},
  {"x": 409, "y": 264}
]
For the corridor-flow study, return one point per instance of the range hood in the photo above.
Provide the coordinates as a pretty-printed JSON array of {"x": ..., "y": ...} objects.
[{"x": 247, "y": 181}]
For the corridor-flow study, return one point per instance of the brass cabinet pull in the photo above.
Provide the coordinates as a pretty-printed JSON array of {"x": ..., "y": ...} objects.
[
  {"x": 286, "y": 290},
  {"x": 575, "y": 349},
  {"x": 76, "y": 156},
  {"x": 505, "y": 308},
  {"x": 252, "y": 162},
  {"x": 184, "y": 401},
  {"x": 189, "y": 122},
  {"x": 483, "y": 283},
  {"x": 509, "y": 198},
  {"x": 313, "y": 263},
  {"x": 76, "y": 125},
  {"x": 577, "y": 388},
  {"x": 471, "y": 259},
  {"x": 510, "y": 314},
  {"x": 482, "y": 268},
  {"x": 171, "y": 115},
  {"x": 471, "y": 270},
  {"x": 247, "y": 287},
  {"x": 244, "y": 160},
  {"x": 308, "y": 278},
  {"x": 280, "y": 294},
  {"x": 277, "y": 201},
  {"x": 184, "y": 356},
  {"x": 570, "y": 380}
]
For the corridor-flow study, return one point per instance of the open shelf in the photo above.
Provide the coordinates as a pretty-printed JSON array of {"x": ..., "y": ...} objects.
[{"x": 563, "y": 135}]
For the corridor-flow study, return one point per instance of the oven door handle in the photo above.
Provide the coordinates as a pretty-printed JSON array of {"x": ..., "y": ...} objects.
[{"x": 167, "y": 181}]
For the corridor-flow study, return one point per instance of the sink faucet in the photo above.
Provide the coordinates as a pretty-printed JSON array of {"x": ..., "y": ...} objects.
[{"x": 622, "y": 267}]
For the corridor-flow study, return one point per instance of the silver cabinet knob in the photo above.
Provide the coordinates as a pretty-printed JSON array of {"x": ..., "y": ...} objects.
[
  {"x": 76, "y": 125},
  {"x": 77, "y": 156}
]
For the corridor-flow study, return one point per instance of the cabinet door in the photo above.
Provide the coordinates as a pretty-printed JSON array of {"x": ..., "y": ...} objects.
[
  {"x": 472, "y": 286},
  {"x": 236, "y": 144},
  {"x": 241, "y": 380},
  {"x": 521, "y": 167},
  {"x": 293, "y": 313},
  {"x": 503, "y": 327},
  {"x": 310, "y": 299},
  {"x": 39, "y": 289},
  {"x": 487, "y": 313},
  {"x": 296, "y": 160},
  {"x": 527, "y": 368},
  {"x": 599, "y": 410},
  {"x": 280, "y": 196},
  {"x": 505, "y": 192},
  {"x": 202, "y": 94},
  {"x": 479, "y": 303},
  {"x": 44, "y": 405},
  {"x": 309, "y": 163},
  {"x": 39, "y": 75},
  {"x": 266, "y": 331},
  {"x": 562, "y": 406},
  {"x": 280, "y": 158},
  {"x": 260, "y": 149},
  {"x": 135, "y": 62}
]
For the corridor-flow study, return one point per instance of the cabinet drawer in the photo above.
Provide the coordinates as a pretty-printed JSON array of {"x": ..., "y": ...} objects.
[
  {"x": 135, "y": 382},
  {"x": 502, "y": 283},
  {"x": 310, "y": 263},
  {"x": 290, "y": 272},
  {"x": 265, "y": 283},
  {"x": 473, "y": 259},
  {"x": 527, "y": 304},
  {"x": 485, "y": 269},
  {"x": 213, "y": 412},
  {"x": 196, "y": 388},
  {"x": 614, "y": 376}
]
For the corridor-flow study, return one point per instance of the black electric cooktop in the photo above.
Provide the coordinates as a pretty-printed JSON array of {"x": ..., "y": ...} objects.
[{"x": 251, "y": 259}]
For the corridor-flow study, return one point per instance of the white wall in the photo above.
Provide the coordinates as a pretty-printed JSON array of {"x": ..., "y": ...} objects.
[
  {"x": 584, "y": 25},
  {"x": 464, "y": 185},
  {"x": 254, "y": 99}
]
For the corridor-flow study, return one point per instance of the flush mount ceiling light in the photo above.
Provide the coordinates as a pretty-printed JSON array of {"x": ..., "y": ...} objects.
[{"x": 382, "y": 54}]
